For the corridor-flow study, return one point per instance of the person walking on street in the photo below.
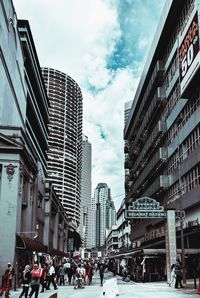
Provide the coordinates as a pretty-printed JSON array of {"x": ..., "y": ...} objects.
[
  {"x": 26, "y": 279},
  {"x": 7, "y": 281},
  {"x": 62, "y": 275},
  {"x": 52, "y": 275},
  {"x": 173, "y": 275},
  {"x": 114, "y": 267},
  {"x": 43, "y": 278},
  {"x": 73, "y": 267},
  {"x": 102, "y": 268},
  {"x": 178, "y": 272},
  {"x": 90, "y": 274},
  {"x": 86, "y": 275},
  {"x": 35, "y": 281}
]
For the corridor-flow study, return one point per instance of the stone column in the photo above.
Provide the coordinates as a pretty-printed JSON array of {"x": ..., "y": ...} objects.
[
  {"x": 170, "y": 242},
  {"x": 9, "y": 206}
]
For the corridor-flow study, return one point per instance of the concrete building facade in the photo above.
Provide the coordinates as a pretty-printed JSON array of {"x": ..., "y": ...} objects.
[
  {"x": 123, "y": 228},
  {"x": 31, "y": 217},
  {"x": 163, "y": 130},
  {"x": 65, "y": 139}
]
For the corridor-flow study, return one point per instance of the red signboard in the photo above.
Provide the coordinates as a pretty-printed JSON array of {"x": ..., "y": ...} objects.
[{"x": 188, "y": 50}]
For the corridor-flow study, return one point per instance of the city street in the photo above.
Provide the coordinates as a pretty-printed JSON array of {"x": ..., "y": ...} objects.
[{"x": 126, "y": 289}]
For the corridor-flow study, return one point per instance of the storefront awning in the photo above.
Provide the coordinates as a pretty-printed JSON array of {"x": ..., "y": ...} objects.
[
  {"x": 59, "y": 253},
  {"x": 30, "y": 244},
  {"x": 76, "y": 238},
  {"x": 140, "y": 252},
  {"x": 153, "y": 252}
]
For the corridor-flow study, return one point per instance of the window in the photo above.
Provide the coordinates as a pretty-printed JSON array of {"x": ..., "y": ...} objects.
[{"x": 40, "y": 200}]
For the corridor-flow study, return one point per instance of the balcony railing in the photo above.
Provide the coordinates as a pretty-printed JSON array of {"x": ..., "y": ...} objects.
[
  {"x": 150, "y": 115},
  {"x": 126, "y": 147},
  {"x": 162, "y": 182},
  {"x": 156, "y": 80},
  {"x": 152, "y": 140},
  {"x": 159, "y": 157}
]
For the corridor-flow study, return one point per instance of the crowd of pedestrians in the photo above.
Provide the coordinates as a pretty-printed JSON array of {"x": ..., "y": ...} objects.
[
  {"x": 77, "y": 273},
  {"x": 41, "y": 277}
]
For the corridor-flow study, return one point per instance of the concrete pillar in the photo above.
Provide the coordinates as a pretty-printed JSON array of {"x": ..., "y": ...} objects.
[
  {"x": 9, "y": 214},
  {"x": 170, "y": 242}
]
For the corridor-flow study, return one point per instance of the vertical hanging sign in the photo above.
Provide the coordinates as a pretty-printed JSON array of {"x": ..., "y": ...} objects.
[{"x": 189, "y": 55}]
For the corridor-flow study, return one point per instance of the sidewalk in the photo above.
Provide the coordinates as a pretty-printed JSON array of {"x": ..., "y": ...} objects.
[{"x": 126, "y": 290}]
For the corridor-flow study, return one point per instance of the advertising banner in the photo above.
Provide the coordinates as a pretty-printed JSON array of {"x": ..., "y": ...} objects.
[{"x": 189, "y": 55}]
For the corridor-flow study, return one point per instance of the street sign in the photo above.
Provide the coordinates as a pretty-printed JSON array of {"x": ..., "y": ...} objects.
[
  {"x": 131, "y": 214},
  {"x": 148, "y": 208},
  {"x": 146, "y": 203}
]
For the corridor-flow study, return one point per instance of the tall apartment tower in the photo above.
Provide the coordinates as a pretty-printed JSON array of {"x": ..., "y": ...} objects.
[
  {"x": 86, "y": 184},
  {"x": 103, "y": 212},
  {"x": 65, "y": 139}
]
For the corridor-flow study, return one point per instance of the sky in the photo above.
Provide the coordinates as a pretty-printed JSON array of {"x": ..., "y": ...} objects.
[{"x": 103, "y": 46}]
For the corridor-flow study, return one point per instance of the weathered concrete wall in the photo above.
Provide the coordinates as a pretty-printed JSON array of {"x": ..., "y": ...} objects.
[
  {"x": 12, "y": 84},
  {"x": 9, "y": 214}
]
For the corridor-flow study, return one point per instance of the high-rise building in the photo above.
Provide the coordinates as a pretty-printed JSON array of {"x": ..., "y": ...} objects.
[
  {"x": 163, "y": 132},
  {"x": 65, "y": 139},
  {"x": 28, "y": 208},
  {"x": 103, "y": 212},
  {"x": 127, "y": 108},
  {"x": 86, "y": 184}
]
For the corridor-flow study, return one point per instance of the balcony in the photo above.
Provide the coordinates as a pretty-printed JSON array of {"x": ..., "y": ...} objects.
[
  {"x": 151, "y": 143},
  {"x": 161, "y": 183},
  {"x": 153, "y": 165},
  {"x": 155, "y": 81},
  {"x": 127, "y": 161},
  {"x": 150, "y": 116},
  {"x": 126, "y": 147}
]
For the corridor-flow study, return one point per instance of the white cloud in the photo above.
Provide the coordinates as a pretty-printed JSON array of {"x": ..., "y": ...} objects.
[{"x": 77, "y": 37}]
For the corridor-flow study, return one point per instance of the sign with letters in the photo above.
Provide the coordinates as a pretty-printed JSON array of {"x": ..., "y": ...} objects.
[
  {"x": 148, "y": 208},
  {"x": 129, "y": 214},
  {"x": 189, "y": 55},
  {"x": 145, "y": 208}
]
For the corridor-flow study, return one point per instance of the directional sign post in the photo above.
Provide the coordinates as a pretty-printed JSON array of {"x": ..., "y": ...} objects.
[
  {"x": 150, "y": 208},
  {"x": 132, "y": 214}
]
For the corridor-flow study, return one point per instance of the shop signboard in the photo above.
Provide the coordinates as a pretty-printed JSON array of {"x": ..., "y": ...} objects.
[
  {"x": 148, "y": 208},
  {"x": 189, "y": 54},
  {"x": 145, "y": 208},
  {"x": 130, "y": 214}
]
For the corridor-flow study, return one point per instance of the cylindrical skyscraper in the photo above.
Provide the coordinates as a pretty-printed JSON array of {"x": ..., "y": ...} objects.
[{"x": 65, "y": 138}]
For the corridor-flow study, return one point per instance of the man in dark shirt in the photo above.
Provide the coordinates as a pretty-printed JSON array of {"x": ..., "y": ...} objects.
[
  {"x": 101, "y": 267},
  {"x": 178, "y": 272}
]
